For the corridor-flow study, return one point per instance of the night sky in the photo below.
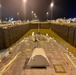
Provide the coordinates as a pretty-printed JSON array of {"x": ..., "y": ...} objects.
[{"x": 61, "y": 9}]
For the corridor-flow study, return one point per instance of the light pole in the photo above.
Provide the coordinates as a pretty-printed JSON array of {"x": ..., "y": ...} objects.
[
  {"x": 6, "y": 18},
  {"x": 38, "y": 27},
  {"x": 32, "y": 14},
  {"x": 0, "y": 11},
  {"x": 25, "y": 8},
  {"x": 18, "y": 15},
  {"x": 35, "y": 16},
  {"x": 47, "y": 15},
  {"x": 51, "y": 5}
]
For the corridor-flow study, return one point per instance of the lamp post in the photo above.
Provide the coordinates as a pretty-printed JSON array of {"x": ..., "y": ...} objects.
[
  {"x": 32, "y": 14},
  {"x": 47, "y": 15},
  {"x": 18, "y": 15},
  {"x": 35, "y": 16},
  {"x": 0, "y": 11},
  {"x": 51, "y": 5},
  {"x": 25, "y": 8},
  {"x": 38, "y": 27},
  {"x": 6, "y": 18}
]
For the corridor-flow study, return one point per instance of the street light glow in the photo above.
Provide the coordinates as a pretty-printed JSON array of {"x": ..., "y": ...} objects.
[
  {"x": 18, "y": 13},
  {"x": 47, "y": 13},
  {"x": 52, "y": 4},
  {"x": 32, "y": 12},
  {"x": 24, "y": 0}
]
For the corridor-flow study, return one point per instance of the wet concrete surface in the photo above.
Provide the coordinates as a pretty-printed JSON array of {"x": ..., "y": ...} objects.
[{"x": 56, "y": 53}]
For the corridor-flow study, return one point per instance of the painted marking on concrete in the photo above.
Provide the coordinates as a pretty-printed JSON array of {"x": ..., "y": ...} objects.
[
  {"x": 6, "y": 66},
  {"x": 59, "y": 68},
  {"x": 70, "y": 60}
]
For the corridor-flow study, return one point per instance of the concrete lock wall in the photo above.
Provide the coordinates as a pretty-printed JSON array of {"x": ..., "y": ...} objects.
[
  {"x": 34, "y": 25},
  {"x": 10, "y": 35},
  {"x": 1, "y": 39},
  {"x": 45, "y": 26},
  {"x": 75, "y": 37},
  {"x": 68, "y": 33},
  {"x": 40, "y": 25},
  {"x": 71, "y": 35},
  {"x": 61, "y": 30},
  {"x": 6, "y": 37}
]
